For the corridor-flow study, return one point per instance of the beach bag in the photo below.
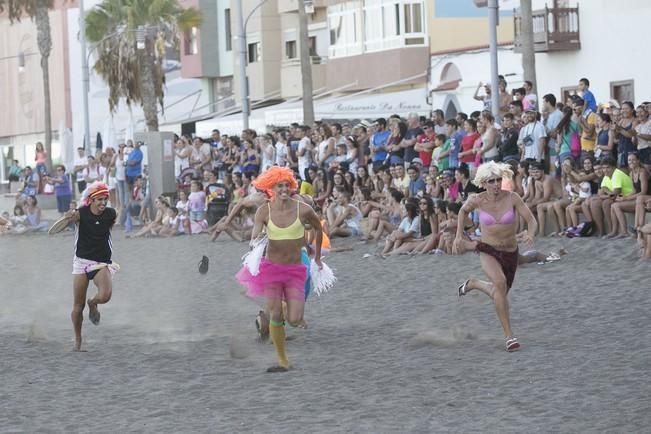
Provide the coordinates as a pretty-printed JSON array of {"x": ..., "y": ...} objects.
[
  {"x": 585, "y": 229},
  {"x": 575, "y": 145}
]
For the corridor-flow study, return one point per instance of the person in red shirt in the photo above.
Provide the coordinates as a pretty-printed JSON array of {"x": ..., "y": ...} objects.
[
  {"x": 425, "y": 143},
  {"x": 467, "y": 154}
]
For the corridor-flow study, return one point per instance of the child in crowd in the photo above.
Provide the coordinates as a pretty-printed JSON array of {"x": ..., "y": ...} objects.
[{"x": 197, "y": 208}]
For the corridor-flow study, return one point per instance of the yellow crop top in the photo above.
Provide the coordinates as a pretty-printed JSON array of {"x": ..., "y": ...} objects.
[{"x": 295, "y": 231}]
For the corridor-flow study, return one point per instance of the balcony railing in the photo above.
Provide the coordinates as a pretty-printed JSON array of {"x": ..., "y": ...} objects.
[{"x": 554, "y": 29}]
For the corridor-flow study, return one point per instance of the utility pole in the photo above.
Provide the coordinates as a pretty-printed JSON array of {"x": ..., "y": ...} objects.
[
  {"x": 241, "y": 43},
  {"x": 84, "y": 73},
  {"x": 493, "y": 14},
  {"x": 526, "y": 37},
  {"x": 306, "y": 65}
]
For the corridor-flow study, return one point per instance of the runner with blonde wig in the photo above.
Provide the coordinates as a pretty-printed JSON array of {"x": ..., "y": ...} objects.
[{"x": 498, "y": 247}]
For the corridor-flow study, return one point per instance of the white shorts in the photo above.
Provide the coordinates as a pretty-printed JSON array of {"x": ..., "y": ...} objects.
[{"x": 85, "y": 266}]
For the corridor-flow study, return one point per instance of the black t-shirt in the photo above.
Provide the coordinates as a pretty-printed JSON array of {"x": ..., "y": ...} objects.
[
  {"x": 94, "y": 235},
  {"x": 509, "y": 142},
  {"x": 412, "y": 134},
  {"x": 468, "y": 189}
]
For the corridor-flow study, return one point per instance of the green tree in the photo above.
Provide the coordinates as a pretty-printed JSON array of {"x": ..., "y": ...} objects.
[
  {"x": 38, "y": 11},
  {"x": 137, "y": 75}
]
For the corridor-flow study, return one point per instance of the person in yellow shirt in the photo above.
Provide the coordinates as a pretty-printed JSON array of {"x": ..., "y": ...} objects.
[
  {"x": 615, "y": 183},
  {"x": 587, "y": 120}
]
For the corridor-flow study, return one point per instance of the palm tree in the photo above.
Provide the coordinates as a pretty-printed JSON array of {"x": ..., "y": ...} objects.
[
  {"x": 38, "y": 11},
  {"x": 136, "y": 75}
]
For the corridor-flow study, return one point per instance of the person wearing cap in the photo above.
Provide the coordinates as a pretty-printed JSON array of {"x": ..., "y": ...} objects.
[
  {"x": 379, "y": 142},
  {"x": 93, "y": 253}
]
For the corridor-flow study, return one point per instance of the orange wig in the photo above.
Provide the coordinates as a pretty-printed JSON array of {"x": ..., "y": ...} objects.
[{"x": 274, "y": 176}]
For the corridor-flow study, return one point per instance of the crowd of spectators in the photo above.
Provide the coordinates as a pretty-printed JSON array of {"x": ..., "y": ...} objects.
[{"x": 580, "y": 167}]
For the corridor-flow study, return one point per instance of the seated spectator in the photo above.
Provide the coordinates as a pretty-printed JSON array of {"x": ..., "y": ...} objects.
[
  {"x": 428, "y": 225},
  {"x": 570, "y": 194},
  {"x": 343, "y": 217},
  {"x": 408, "y": 229},
  {"x": 614, "y": 183},
  {"x": 416, "y": 185},
  {"x": 15, "y": 171},
  {"x": 385, "y": 217},
  {"x": 153, "y": 227},
  {"x": 548, "y": 190},
  {"x": 436, "y": 216},
  {"x": 134, "y": 207},
  {"x": 176, "y": 223},
  {"x": 307, "y": 188},
  {"x": 33, "y": 220},
  {"x": 626, "y": 203},
  {"x": 30, "y": 186}
]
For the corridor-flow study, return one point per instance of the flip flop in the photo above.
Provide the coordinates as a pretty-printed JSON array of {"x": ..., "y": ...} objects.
[
  {"x": 462, "y": 288},
  {"x": 512, "y": 344},
  {"x": 275, "y": 369},
  {"x": 203, "y": 265}
]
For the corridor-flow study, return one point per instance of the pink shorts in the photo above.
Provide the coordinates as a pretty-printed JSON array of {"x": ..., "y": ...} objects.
[{"x": 275, "y": 281}]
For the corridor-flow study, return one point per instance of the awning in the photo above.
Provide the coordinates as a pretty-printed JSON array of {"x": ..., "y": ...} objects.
[
  {"x": 363, "y": 106},
  {"x": 231, "y": 124}
]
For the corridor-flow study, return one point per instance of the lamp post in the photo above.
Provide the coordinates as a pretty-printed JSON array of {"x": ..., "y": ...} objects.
[
  {"x": 21, "y": 59},
  {"x": 493, "y": 13},
  {"x": 241, "y": 24}
]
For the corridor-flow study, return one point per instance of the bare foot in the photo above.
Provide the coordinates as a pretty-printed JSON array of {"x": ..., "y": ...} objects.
[{"x": 77, "y": 347}]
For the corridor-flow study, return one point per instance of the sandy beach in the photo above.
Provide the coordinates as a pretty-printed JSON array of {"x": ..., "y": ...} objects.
[{"x": 390, "y": 350}]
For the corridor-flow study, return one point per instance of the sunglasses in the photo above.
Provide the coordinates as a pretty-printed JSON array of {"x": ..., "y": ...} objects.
[{"x": 494, "y": 181}]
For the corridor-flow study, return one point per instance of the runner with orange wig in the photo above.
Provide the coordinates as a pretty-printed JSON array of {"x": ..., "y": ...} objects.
[
  {"x": 93, "y": 250},
  {"x": 282, "y": 274}
]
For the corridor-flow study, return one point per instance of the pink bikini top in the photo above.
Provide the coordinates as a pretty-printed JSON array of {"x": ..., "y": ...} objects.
[{"x": 488, "y": 220}]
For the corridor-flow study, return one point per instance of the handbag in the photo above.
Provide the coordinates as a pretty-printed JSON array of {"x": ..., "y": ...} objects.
[{"x": 48, "y": 189}]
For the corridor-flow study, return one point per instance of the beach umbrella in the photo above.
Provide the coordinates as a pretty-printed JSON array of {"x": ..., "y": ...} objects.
[{"x": 98, "y": 142}]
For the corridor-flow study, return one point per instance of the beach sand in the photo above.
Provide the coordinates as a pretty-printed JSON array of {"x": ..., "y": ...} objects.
[{"x": 391, "y": 349}]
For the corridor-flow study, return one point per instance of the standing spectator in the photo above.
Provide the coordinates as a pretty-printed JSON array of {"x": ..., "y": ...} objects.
[
  {"x": 532, "y": 138},
  {"x": 566, "y": 132},
  {"x": 605, "y": 137},
  {"x": 121, "y": 179},
  {"x": 134, "y": 165},
  {"x": 413, "y": 131},
  {"x": 587, "y": 120},
  {"x": 395, "y": 144},
  {"x": 467, "y": 154},
  {"x": 624, "y": 133},
  {"x": 379, "y": 142},
  {"x": 305, "y": 150},
  {"x": 643, "y": 135},
  {"x": 529, "y": 100},
  {"x": 508, "y": 143},
  {"x": 267, "y": 150},
  {"x": 486, "y": 97},
  {"x": 94, "y": 171},
  {"x": 201, "y": 158},
  {"x": 488, "y": 150},
  {"x": 590, "y": 101},
  {"x": 439, "y": 122},
  {"x": 426, "y": 143},
  {"x": 81, "y": 162},
  {"x": 282, "y": 150},
  {"x": 250, "y": 159},
  {"x": 515, "y": 108},
  {"x": 62, "y": 191},
  {"x": 505, "y": 98},
  {"x": 40, "y": 158},
  {"x": 182, "y": 152},
  {"x": 326, "y": 149},
  {"x": 551, "y": 125}
]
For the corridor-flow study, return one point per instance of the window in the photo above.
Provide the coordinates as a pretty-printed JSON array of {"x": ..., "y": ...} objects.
[
  {"x": 311, "y": 43},
  {"x": 227, "y": 29},
  {"x": 622, "y": 91},
  {"x": 254, "y": 52},
  {"x": 290, "y": 49},
  {"x": 344, "y": 26},
  {"x": 191, "y": 42},
  {"x": 413, "y": 17}
]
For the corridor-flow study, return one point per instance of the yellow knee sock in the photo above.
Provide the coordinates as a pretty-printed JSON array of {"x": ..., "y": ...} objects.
[{"x": 277, "y": 333}]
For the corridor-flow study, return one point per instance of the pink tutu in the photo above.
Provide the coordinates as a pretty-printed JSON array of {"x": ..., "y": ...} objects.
[{"x": 284, "y": 281}]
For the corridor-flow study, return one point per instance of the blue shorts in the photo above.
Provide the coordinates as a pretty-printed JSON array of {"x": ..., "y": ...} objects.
[{"x": 305, "y": 260}]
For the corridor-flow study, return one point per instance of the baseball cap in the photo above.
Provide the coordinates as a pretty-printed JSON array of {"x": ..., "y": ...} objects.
[{"x": 417, "y": 161}]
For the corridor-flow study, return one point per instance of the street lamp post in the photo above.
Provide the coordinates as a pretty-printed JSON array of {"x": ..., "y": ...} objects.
[
  {"x": 84, "y": 72},
  {"x": 242, "y": 54},
  {"x": 493, "y": 13}
]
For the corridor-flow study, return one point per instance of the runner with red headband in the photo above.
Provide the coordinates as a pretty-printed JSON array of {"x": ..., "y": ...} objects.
[{"x": 93, "y": 250}]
